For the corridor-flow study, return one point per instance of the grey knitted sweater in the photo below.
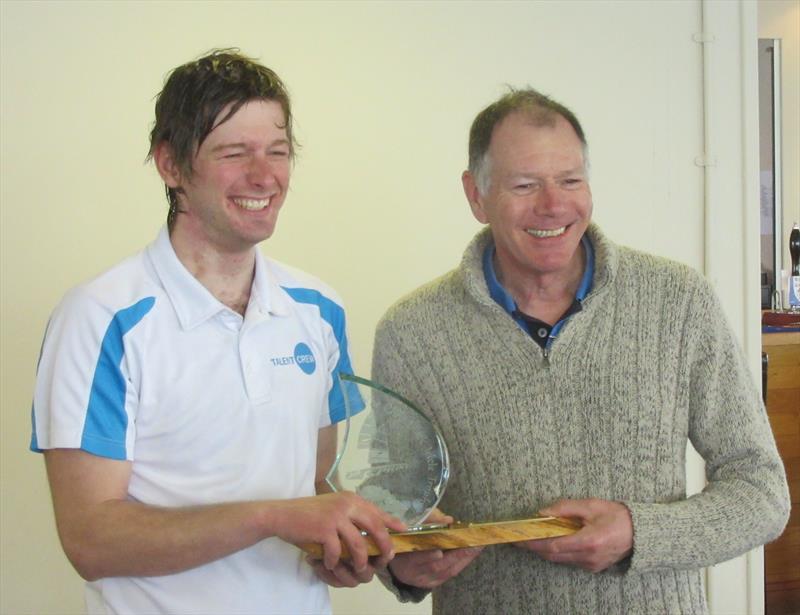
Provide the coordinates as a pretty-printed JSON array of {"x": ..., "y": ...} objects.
[{"x": 647, "y": 363}]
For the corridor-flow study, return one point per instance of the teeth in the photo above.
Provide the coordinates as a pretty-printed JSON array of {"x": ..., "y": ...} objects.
[
  {"x": 252, "y": 204},
  {"x": 546, "y": 233}
]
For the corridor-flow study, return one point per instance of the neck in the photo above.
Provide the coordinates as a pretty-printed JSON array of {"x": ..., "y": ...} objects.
[
  {"x": 545, "y": 296},
  {"x": 227, "y": 275}
]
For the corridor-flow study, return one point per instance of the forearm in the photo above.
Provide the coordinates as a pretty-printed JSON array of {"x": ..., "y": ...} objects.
[
  {"x": 123, "y": 538},
  {"x": 105, "y": 534},
  {"x": 727, "y": 519}
]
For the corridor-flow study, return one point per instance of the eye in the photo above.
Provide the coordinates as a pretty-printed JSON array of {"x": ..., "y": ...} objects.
[
  {"x": 231, "y": 154},
  {"x": 524, "y": 187},
  {"x": 279, "y": 153}
]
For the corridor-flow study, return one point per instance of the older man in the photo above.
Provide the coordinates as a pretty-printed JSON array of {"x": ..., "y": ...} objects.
[{"x": 566, "y": 374}]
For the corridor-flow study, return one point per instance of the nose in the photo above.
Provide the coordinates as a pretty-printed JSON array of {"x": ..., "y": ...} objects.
[
  {"x": 549, "y": 200},
  {"x": 260, "y": 172}
]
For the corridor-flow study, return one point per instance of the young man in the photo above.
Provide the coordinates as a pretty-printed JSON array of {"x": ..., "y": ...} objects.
[
  {"x": 187, "y": 399},
  {"x": 569, "y": 374}
]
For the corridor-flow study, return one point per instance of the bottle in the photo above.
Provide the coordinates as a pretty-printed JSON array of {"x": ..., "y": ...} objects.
[{"x": 794, "y": 279}]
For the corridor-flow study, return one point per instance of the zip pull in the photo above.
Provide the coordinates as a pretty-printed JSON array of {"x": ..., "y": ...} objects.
[{"x": 546, "y": 353}]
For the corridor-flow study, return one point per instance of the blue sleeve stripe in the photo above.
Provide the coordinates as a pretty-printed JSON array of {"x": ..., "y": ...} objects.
[
  {"x": 34, "y": 446},
  {"x": 332, "y": 313},
  {"x": 106, "y": 423},
  {"x": 34, "y": 441}
]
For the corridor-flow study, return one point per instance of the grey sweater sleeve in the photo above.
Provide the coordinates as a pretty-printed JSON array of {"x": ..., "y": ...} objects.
[
  {"x": 388, "y": 369},
  {"x": 745, "y": 502}
]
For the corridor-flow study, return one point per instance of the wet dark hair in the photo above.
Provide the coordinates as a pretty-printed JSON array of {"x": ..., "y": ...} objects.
[
  {"x": 194, "y": 95},
  {"x": 539, "y": 108}
]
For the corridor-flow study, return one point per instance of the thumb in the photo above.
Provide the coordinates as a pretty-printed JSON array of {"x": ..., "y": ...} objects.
[
  {"x": 393, "y": 523},
  {"x": 566, "y": 508},
  {"x": 437, "y": 516}
]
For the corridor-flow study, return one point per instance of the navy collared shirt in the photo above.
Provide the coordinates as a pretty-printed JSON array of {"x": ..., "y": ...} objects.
[{"x": 540, "y": 331}]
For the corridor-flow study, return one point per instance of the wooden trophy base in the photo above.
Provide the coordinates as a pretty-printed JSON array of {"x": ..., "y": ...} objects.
[{"x": 461, "y": 535}]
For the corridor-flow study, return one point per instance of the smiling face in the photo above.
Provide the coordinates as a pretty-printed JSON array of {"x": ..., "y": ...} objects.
[
  {"x": 240, "y": 176},
  {"x": 538, "y": 202}
]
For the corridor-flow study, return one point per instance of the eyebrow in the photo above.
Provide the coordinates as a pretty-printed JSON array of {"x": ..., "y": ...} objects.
[
  {"x": 530, "y": 175},
  {"x": 243, "y": 145},
  {"x": 576, "y": 170},
  {"x": 223, "y": 146}
]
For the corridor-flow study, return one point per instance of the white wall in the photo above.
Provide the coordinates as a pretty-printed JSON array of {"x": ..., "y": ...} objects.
[{"x": 383, "y": 96}]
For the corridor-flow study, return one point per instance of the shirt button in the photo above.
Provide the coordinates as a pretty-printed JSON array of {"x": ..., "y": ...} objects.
[{"x": 542, "y": 332}]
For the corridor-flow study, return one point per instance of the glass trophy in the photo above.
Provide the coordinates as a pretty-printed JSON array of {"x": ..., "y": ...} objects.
[{"x": 391, "y": 454}]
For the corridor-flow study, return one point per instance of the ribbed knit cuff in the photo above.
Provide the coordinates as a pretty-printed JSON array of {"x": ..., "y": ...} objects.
[
  {"x": 648, "y": 537},
  {"x": 403, "y": 592}
]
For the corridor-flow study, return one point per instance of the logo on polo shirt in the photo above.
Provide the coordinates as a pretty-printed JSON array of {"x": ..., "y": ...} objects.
[{"x": 303, "y": 358}]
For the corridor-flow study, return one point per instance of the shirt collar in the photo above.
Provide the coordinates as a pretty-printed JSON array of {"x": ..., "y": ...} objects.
[
  {"x": 504, "y": 298},
  {"x": 501, "y": 296},
  {"x": 266, "y": 294},
  {"x": 588, "y": 272},
  {"x": 194, "y": 304}
]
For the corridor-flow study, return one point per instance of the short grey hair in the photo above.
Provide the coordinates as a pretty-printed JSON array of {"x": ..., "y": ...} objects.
[{"x": 539, "y": 108}]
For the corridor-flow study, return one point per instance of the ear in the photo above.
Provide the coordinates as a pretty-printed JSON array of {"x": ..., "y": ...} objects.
[
  {"x": 167, "y": 167},
  {"x": 474, "y": 197}
]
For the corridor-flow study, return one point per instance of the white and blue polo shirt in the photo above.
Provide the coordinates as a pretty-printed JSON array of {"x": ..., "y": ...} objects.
[{"x": 144, "y": 364}]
